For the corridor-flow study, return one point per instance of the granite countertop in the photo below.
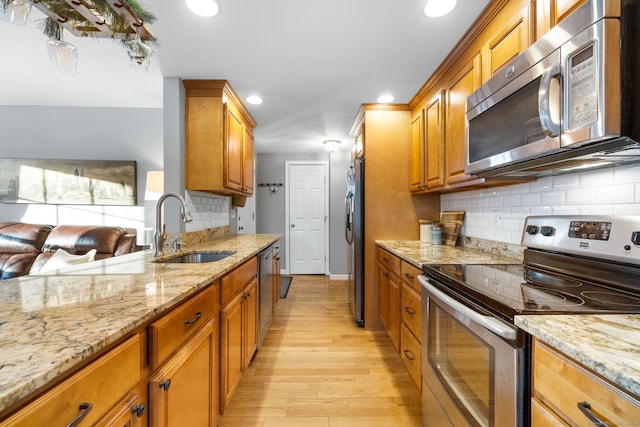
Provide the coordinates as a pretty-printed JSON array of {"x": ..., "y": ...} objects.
[
  {"x": 49, "y": 324},
  {"x": 607, "y": 344},
  {"x": 419, "y": 253}
]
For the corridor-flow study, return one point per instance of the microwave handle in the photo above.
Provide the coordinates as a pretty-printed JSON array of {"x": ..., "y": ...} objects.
[{"x": 549, "y": 127}]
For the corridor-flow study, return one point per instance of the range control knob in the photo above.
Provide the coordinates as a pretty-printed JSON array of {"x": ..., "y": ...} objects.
[
  {"x": 635, "y": 238},
  {"x": 532, "y": 229},
  {"x": 547, "y": 230}
]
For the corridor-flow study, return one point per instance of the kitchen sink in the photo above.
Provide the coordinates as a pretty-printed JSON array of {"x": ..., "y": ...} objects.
[{"x": 199, "y": 257}]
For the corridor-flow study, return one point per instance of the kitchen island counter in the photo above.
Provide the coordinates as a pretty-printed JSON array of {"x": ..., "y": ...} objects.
[{"x": 51, "y": 324}]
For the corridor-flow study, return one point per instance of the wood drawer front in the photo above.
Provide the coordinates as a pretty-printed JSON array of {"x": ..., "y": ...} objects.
[
  {"x": 168, "y": 333},
  {"x": 412, "y": 310},
  {"x": 102, "y": 384},
  {"x": 560, "y": 384},
  {"x": 410, "y": 274},
  {"x": 235, "y": 281},
  {"x": 389, "y": 260},
  {"x": 411, "y": 354}
]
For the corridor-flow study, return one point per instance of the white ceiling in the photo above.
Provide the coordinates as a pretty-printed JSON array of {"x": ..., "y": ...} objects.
[{"x": 313, "y": 61}]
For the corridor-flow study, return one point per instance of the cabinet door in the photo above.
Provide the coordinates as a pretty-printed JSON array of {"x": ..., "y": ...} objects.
[
  {"x": 550, "y": 12},
  {"x": 462, "y": 85},
  {"x": 234, "y": 133},
  {"x": 505, "y": 45},
  {"x": 247, "y": 162},
  {"x": 231, "y": 362},
  {"x": 434, "y": 118},
  {"x": 132, "y": 411},
  {"x": 417, "y": 155},
  {"x": 180, "y": 392},
  {"x": 395, "y": 301},
  {"x": 250, "y": 318},
  {"x": 383, "y": 295}
]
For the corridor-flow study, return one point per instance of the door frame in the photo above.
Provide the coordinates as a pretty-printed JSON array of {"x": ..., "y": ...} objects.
[{"x": 287, "y": 182}]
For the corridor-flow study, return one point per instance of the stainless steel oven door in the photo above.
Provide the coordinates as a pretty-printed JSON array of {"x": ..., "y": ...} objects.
[{"x": 472, "y": 369}]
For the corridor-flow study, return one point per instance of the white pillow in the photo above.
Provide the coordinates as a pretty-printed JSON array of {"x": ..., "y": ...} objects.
[{"x": 62, "y": 258}]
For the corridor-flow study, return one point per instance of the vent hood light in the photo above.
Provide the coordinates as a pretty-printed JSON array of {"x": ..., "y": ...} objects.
[
  {"x": 206, "y": 8},
  {"x": 254, "y": 99},
  {"x": 385, "y": 99},
  {"x": 437, "y": 8}
]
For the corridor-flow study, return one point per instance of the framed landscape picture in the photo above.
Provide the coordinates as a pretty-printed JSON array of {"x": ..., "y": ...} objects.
[{"x": 68, "y": 182}]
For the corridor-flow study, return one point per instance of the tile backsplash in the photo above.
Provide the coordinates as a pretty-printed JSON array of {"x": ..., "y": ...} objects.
[
  {"x": 208, "y": 210},
  {"x": 499, "y": 213}
]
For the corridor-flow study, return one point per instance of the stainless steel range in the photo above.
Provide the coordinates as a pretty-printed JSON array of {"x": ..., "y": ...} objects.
[{"x": 475, "y": 361}]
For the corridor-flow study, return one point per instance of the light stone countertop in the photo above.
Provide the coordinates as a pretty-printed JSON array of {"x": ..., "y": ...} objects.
[
  {"x": 607, "y": 344},
  {"x": 50, "y": 324},
  {"x": 419, "y": 253}
]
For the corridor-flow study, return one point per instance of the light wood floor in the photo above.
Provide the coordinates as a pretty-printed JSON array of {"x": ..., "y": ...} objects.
[{"x": 317, "y": 368}]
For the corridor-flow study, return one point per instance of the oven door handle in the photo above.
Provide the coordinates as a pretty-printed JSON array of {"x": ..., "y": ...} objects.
[{"x": 488, "y": 322}]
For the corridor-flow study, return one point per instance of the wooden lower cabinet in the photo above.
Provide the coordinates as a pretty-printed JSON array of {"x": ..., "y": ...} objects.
[
  {"x": 132, "y": 411},
  {"x": 239, "y": 334},
  {"x": 89, "y": 395},
  {"x": 561, "y": 385},
  {"x": 389, "y": 297},
  {"x": 181, "y": 390}
]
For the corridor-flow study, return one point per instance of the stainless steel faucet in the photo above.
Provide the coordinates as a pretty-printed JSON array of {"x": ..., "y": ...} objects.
[{"x": 160, "y": 234}]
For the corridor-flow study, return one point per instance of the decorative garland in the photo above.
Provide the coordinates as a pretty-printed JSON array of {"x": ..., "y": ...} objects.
[{"x": 117, "y": 25}]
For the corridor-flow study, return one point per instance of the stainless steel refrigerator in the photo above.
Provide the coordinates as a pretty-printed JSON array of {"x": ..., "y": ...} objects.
[{"x": 354, "y": 233}]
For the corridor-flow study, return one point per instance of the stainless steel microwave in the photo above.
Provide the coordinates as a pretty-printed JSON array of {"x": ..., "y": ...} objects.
[{"x": 568, "y": 102}]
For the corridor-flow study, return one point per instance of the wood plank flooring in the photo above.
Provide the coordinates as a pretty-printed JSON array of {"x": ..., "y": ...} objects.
[{"x": 317, "y": 368}]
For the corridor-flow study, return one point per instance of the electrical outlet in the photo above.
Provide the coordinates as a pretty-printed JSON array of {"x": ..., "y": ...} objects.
[{"x": 496, "y": 220}]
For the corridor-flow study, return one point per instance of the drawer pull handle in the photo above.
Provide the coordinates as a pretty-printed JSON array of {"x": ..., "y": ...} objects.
[
  {"x": 84, "y": 408},
  {"x": 585, "y": 407},
  {"x": 409, "y": 276},
  {"x": 194, "y": 320},
  {"x": 409, "y": 355},
  {"x": 385, "y": 274},
  {"x": 410, "y": 310},
  {"x": 165, "y": 384},
  {"x": 138, "y": 410}
]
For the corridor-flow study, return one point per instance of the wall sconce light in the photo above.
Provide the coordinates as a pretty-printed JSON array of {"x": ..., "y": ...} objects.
[
  {"x": 332, "y": 144},
  {"x": 16, "y": 12},
  {"x": 139, "y": 54},
  {"x": 155, "y": 185}
]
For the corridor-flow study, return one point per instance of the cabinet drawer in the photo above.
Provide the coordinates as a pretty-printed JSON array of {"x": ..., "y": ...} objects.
[
  {"x": 233, "y": 282},
  {"x": 389, "y": 260},
  {"x": 101, "y": 384},
  {"x": 168, "y": 333},
  {"x": 410, "y": 275},
  {"x": 412, "y": 310},
  {"x": 561, "y": 384},
  {"x": 411, "y": 354}
]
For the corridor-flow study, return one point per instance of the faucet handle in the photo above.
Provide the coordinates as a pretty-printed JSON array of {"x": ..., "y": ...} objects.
[{"x": 177, "y": 246}]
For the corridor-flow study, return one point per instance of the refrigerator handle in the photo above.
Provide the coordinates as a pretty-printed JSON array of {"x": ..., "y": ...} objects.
[{"x": 348, "y": 231}]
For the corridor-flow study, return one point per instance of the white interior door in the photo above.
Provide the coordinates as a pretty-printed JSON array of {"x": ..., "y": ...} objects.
[{"x": 307, "y": 217}]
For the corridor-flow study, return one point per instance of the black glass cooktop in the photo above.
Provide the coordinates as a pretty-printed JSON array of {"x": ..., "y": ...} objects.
[{"x": 512, "y": 289}]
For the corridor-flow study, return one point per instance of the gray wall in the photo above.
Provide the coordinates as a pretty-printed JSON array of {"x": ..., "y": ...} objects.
[
  {"x": 270, "y": 207},
  {"x": 83, "y": 133}
]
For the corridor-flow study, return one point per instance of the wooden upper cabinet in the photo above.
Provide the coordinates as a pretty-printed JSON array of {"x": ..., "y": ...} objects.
[
  {"x": 506, "y": 44},
  {"x": 435, "y": 133},
  {"x": 418, "y": 155},
  {"x": 219, "y": 139},
  {"x": 463, "y": 84},
  {"x": 550, "y": 12}
]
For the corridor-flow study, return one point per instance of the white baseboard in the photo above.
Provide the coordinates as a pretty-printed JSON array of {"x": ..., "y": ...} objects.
[{"x": 338, "y": 277}]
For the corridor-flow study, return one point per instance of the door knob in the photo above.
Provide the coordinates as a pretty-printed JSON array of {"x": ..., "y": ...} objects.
[{"x": 293, "y": 226}]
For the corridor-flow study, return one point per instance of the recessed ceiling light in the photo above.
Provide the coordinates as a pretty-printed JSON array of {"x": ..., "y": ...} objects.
[
  {"x": 385, "y": 99},
  {"x": 436, "y": 8},
  {"x": 253, "y": 99},
  {"x": 205, "y": 8}
]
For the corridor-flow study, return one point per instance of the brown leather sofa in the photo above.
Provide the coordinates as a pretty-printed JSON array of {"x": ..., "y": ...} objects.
[{"x": 25, "y": 248}]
